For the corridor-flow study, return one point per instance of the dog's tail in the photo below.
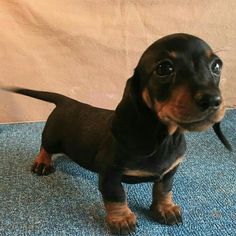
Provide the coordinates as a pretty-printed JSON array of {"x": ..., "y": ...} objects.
[
  {"x": 221, "y": 136},
  {"x": 42, "y": 95}
]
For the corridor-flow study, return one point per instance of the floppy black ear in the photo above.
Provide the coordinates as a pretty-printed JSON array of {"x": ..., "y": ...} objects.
[
  {"x": 125, "y": 116},
  {"x": 132, "y": 91},
  {"x": 135, "y": 87},
  {"x": 127, "y": 110},
  {"x": 221, "y": 136},
  {"x": 131, "y": 101},
  {"x": 134, "y": 125}
]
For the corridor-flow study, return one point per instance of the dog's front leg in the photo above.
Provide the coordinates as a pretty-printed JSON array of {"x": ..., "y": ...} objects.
[
  {"x": 120, "y": 218},
  {"x": 163, "y": 208}
]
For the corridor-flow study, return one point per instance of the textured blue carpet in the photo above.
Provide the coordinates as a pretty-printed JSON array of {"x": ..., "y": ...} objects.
[{"x": 68, "y": 201}]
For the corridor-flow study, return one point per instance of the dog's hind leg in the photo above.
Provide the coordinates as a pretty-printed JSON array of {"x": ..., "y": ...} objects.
[{"x": 43, "y": 164}]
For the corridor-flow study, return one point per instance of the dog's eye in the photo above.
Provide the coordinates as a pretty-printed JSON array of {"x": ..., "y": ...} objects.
[
  {"x": 164, "y": 68},
  {"x": 216, "y": 67}
]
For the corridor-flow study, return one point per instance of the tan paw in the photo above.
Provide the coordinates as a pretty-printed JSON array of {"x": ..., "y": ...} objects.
[
  {"x": 41, "y": 168},
  {"x": 43, "y": 164},
  {"x": 120, "y": 219},
  {"x": 167, "y": 214},
  {"x": 123, "y": 224}
]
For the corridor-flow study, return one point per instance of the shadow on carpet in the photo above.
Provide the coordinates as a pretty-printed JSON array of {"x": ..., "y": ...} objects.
[{"x": 68, "y": 202}]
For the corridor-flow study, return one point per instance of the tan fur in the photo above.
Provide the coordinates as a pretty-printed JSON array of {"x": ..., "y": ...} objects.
[
  {"x": 209, "y": 53},
  {"x": 44, "y": 158},
  {"x": 139, "y": 173},
  {"x": 119, "y": 215},
  {"x": 181, "y": 109},
  {"x": 171, "y": 126},
  {"x": 162, "y": 204},
  {"x": 146, "y": 98},
  {"x": 176, "y": 163},
  {"x": 142, "y": 173},
  {"x": 173, "y": 54}
]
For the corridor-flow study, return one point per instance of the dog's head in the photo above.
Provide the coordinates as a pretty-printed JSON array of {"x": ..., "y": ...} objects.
[{"x": 178, "y": 77}]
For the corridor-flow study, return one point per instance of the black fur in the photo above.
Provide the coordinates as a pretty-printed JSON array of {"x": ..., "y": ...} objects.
[{"x": 221, "y": 136}]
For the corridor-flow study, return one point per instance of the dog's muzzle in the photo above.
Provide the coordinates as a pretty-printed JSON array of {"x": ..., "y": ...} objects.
[{"x": 207, "y": 101}]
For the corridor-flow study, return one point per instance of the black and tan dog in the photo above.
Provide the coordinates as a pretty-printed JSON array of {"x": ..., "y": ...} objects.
[{"x": 175, "y": 88}]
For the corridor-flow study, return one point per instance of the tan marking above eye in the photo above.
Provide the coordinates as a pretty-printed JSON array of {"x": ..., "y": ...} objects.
[
  {"x": 173, "y": 54},
  {"x": 209, "y": 53}
]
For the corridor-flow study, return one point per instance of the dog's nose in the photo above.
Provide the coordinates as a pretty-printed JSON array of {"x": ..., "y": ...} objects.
[{"x": 206, "y": 100}]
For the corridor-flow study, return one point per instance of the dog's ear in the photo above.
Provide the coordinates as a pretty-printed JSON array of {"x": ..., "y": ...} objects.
[
  {"x": 126, "y": 111},
  {"x": 134, "y": 125},
  {"x": 136, "y": 85},
  {"x": 125, "y": 114},
  {"x": 131, "y": 100},
  {"x": 221, "y": 136},
  {"x": 132, "y": 91}
]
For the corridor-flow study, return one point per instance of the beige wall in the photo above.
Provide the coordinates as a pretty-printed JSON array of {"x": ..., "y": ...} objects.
[{"x": 87, "y": 49}]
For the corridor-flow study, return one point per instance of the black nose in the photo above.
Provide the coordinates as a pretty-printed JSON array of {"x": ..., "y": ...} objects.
[{"x": 206, "y": 100}]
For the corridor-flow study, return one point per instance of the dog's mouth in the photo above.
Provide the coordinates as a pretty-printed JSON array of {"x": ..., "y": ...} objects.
[
  {"x": 195, "y": 125},
  {"x": 201, "y": 123},
  {"x": 188, "y": 118}
]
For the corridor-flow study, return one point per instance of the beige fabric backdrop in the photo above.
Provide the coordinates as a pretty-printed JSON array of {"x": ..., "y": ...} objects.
[{"x": 88, "y": 48}]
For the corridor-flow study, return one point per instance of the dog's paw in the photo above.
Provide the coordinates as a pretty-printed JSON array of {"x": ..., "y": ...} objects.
[
  {"x": 122, "y": 224},
  {"x": 167, "y": 214},
  {"x": 41, "y": 168}
]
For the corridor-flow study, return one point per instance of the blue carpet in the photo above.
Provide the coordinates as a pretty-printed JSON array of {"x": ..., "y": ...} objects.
[{"x": 68, "y": 201}]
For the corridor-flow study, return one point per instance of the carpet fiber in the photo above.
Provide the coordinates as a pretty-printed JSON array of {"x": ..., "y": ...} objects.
[{"x": 68, "y": 202}]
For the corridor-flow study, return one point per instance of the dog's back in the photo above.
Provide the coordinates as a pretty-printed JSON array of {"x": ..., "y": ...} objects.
[{"x": 74, "y": 128}]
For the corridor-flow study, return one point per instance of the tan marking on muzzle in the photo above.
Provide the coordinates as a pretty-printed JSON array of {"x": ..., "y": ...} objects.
[{"x": 171, "y": 126}]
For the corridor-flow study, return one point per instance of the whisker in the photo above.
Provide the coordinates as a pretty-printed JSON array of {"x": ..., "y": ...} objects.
[{"x": 221, "y": 50}]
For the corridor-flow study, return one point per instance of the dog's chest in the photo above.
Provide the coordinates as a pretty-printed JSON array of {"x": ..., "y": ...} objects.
[
  {"x": 157, "y": 169},
  {"x": 168, "y": 155}
]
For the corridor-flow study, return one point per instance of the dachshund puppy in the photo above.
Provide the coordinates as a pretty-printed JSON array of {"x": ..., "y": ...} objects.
[{"x": 175, "y": 88}]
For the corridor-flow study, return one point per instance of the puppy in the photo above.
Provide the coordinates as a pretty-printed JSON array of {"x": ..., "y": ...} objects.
[{"x": 175, "y": 88}]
